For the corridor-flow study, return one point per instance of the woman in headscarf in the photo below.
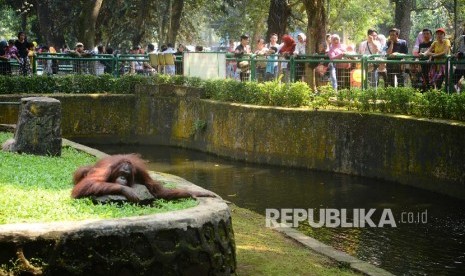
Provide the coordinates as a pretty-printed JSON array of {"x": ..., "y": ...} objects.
[
  {"x": 286, "y": 51},
  {"x": 301, "y": 44},
  {"x": 300, "y": 54},
  {"x": 288, "y": 47},
  {"x": 336, "y": 52}
]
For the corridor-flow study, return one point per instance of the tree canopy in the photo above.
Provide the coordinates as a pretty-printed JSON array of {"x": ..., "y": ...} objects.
[{"x": 124, "y": 23}]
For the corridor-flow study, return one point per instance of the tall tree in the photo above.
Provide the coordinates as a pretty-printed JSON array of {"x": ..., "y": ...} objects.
[
  {"x": 278, "y": 17},
  {"x": 51, "y": 32},
  {"x": 402, "y": 18},
  {"x": 140, "y": 21},
  {"x": 86, "y": 23},
  {"x": 316, "y": 29},
  {"x": 176, "y": 11}
]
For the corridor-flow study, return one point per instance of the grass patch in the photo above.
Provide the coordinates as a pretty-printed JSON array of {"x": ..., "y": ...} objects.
[
  {"x": 262, "y": 251},
  {"x": 38, "y": 189}
]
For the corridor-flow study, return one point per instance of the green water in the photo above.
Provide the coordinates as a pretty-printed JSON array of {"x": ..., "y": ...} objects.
[{"x": 435, "y": 247}]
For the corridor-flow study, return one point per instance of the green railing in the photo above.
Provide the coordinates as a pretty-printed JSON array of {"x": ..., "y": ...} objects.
[{"x": 290, "y": 69}]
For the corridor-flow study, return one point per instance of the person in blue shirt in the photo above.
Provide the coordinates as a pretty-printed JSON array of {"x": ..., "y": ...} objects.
[{"x": 271, "y": 64}]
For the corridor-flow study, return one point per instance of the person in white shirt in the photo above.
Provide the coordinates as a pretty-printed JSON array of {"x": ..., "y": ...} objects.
[
  {"x": 300, "y": 45},
  {"x": 170, "y": 68},
  {"x": 261, "y": 51},
  {"x": 274, "y": 42},
  {"x": 300, "y": 53},
  {"x": 371, "y": 46}
]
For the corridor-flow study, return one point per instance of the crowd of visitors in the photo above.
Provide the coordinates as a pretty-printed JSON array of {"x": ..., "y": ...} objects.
[
  {"x": 272, "y": 59},
  {"x": 425, "y": 70}
]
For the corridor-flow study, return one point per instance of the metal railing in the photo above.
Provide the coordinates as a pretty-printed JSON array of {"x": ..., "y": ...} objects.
[{"x": 364, "y": 71}]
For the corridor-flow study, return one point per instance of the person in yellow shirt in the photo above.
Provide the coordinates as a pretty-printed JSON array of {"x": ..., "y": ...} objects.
[{"x": 438, "y": 52}]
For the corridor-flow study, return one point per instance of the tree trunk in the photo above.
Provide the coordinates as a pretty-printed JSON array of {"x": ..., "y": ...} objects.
[
  {"x": 53, "y": 36},
  {"x": 278, "y": 17},
  {"x": 402, "y": 17},
  {"x": 24, "y": 22},
  {"x": 140, "y": 23},
  {"x": 163, "y": 19},
  {"x": 86, "y": 22},
  {"x": 316, "y": 32},
  {"x": 176, "y": 14}
]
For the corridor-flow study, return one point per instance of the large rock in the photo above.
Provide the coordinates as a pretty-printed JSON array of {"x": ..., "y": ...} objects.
[
  {"x": 38, "y": 130},
  {"x": 141, "y": 191}
]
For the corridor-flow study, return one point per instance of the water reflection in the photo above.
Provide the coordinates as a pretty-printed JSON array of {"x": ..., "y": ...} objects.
[{"x": 434, "y": 248}]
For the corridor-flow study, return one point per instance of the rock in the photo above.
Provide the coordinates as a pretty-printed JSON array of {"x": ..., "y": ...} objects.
[
  {"x": 38, "y": 129},
  {"x": 142, "y": 192}
]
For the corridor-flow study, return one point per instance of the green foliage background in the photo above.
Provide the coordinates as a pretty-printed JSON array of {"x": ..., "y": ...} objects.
[{"x": 211, "y": 22}]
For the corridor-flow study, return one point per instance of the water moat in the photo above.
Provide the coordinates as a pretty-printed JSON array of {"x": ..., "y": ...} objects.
[{"x": 432, "y": 247}]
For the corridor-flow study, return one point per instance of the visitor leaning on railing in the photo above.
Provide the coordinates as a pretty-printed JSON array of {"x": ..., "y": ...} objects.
[
  {"x": 316, "y": 64},
  {"x": 5, "y": 66},
  {"x": 460, "y": 62}
]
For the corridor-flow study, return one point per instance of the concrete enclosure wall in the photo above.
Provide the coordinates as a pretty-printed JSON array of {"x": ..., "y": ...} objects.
[{"x": 418, "y": 152}]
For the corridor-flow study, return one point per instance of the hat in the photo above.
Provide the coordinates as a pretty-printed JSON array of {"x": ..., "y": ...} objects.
[
  {"x": 79, "y": 44},
  {"x": 441, "y": 30},
  {"x": 244, "y": 36}
]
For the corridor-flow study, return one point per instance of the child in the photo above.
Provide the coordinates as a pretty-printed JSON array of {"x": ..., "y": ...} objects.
[{"x": 271, "y": 64}]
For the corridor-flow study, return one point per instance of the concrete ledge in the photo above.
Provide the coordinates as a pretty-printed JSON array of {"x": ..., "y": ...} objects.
[{"x": 341, "y": 257}]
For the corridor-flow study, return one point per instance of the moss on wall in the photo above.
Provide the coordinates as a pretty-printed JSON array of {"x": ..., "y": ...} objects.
[{"x": 419, "y": 152}]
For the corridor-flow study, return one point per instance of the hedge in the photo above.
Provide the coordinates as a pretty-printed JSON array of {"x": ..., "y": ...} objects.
[{"x": 401, "y": 100}]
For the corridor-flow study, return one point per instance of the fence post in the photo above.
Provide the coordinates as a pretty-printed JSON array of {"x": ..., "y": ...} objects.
[
  {"x": 116, "y": 61},
  {"x": 253, "y": 69},
  {"x": 447, "y": 79},
  {"x": 364, "y": 72},
  {"x": 34, "y": 64},
  {"x": 292, "y": 69}
]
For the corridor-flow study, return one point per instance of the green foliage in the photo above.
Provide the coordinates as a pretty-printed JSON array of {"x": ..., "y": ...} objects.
[
  {"x": 198, "y": 126},
  {"x": 401, "y": 100},
  {"x": 39, "y": 190},
  {"x": 353, "y": 18},
  {"x": 252, "y": 13},
  {"x": 434, "y": 14},
  {"x": 267, "y": 93},
  {"x": 71, "y": 84}
]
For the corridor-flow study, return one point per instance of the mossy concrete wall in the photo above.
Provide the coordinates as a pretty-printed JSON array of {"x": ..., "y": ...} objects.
[{"x": 418, "y": 152}]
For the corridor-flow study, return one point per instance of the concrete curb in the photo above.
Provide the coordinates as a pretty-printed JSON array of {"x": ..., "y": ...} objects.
[
  {"x": 341, "y": 257},
  {"x": 91, "y": 151},
  {"x": 193, "y": 241}
]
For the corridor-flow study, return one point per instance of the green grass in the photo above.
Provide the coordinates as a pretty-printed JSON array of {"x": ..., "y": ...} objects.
[
  {"x": 263, "y": 251},
  {"x": 38, "y": 189}
]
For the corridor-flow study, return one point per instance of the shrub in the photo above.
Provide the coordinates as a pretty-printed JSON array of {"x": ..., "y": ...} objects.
[
  {"x": 400, "y": 100},
  {"x": 297, "y": 94}
]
